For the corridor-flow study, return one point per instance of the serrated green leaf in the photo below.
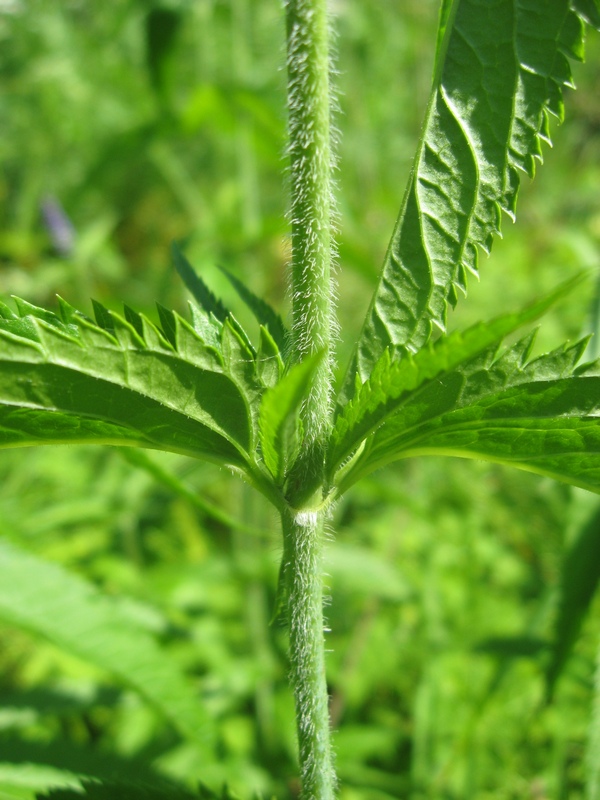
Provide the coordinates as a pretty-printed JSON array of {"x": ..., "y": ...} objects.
[
  {"x": 25, "y": 309},
  {"x": 263, "y": 312},
  {"x": 509, "y": 647},
  {"x": 239, "y": 361},
  {"x": 279, "y": 421},
  {"x": 382, "y": 394},
  {"x": 500, "y": 71},
  {"x": 46, "y": 600},
  {"x": 121, "y": 384},
  {"x": 542, "y": 416},
  {"x": 130, "y": 384},
  {"x": 589, "y": 10},
  {"x": 207, "y": 326},
  {"x": 102, "y": 315},
  {"x": 70, "y": 315}
]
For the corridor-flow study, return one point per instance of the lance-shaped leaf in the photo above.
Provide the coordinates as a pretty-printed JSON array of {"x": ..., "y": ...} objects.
[
  {"x": 280, "y": 426},
  {"x": 391, "y": 380},
  {"x": 542, "y": 416},
  {"x": 196, "y": 286},
  {"x": 500, "y": 71},
  {"x": 46, "y": 600},
  {"x": 263, "y": 312},
  {"x": 211, "y": 305},
  {"x": 69, "y": 380}
]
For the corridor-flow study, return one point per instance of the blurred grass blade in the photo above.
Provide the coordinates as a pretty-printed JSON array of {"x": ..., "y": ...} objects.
[
  {"x": 592, "y": 756},
  {"x": 46, "y": 600},
  {"x": 162, "y": 26},
  {"x": 135, "y": 791},
  {"x": 512, "y": 647},
  {"x": 119, "y": 791},
  {"x": 499, "y": 73},
  {"x": 173, "y": 483},
  {"x": 578, "y": 584}
]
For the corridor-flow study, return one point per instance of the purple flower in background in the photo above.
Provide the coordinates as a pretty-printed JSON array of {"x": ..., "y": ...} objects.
[{"x": 59, "y": 226}]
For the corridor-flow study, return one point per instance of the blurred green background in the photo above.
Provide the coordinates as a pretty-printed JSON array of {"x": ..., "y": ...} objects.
[{"x": 148, "y": 122}]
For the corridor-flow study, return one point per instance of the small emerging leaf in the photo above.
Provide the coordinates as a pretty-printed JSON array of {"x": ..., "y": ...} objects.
[{"x": 280, "y": 431}]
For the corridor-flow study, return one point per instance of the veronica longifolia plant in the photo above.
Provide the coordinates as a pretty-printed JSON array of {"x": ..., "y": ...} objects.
[{"x": 267, "y": 410}]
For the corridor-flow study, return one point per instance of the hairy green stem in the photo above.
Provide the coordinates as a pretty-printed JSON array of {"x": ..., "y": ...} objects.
[
  {"x": 309, "y": 109},
  {"x": 304, "y": 533},
  {"x": 310, "y": 156}
]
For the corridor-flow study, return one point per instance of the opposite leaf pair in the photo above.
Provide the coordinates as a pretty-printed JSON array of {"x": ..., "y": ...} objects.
[{"x": 203, "y": 390}]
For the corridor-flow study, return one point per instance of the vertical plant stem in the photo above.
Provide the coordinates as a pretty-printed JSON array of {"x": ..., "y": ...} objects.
[
  {"x": 311, "y": 198},
  {"x": 312, "y": 332},
  {"x": 304, "y": 532}
]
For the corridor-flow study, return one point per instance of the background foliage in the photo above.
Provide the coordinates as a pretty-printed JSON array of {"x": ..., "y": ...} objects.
[{"x": 449, "y": 581}]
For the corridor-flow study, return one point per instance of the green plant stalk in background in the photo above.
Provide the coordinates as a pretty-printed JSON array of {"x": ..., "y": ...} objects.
[{"x": 312, "y": 326}]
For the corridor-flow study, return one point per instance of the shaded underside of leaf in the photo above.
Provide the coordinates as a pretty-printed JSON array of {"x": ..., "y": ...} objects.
[
  {"x": 46, "y": 600},
  {"x": 501, "y": 71},
  {"x": 122, "y": 382},
  {"x": 75, "y": 409},
  {"x": 76, "y": 761}
]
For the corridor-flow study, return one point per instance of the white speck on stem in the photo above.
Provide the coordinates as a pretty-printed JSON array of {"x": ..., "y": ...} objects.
[{"x": 306, "y": 519}]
